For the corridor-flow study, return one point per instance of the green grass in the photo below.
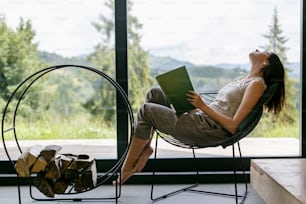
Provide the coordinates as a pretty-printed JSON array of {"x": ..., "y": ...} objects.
[
  {"x": 283, "y": 131},
  {"x": 69, "y": 128},
  {"x": 82, "y": 127},
  {"x": 266, "y": 130}
]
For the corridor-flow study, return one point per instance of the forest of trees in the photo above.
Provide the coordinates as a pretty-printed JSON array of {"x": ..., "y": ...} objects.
[{"x": 76, "y": 104}]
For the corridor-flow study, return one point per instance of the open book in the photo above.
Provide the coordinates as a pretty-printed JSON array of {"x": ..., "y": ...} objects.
[{"x": 175, "y": 84}]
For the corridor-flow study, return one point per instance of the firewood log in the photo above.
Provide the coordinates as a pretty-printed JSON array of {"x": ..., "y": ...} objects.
[
  {"x": 49, "y": 152},
  {"x": 53, "y": 170},
  {"x": 44, "y": 185},
  {"x": 87, "y": 178},
  {"x": 60, "y": 186},
  {"x": 30, "y": 161}
]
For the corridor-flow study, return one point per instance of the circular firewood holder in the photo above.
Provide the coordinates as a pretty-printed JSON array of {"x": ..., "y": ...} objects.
[{"x": 112, "y": 173}]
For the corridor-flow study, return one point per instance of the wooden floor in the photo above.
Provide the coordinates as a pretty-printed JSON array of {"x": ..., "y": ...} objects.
[
  {"x": 279, "y": 181},
  {"x": 139, "y": 194}
]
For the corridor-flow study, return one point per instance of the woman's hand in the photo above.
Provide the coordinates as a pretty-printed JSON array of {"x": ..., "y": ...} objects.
[{"x": 195, "y": 99}]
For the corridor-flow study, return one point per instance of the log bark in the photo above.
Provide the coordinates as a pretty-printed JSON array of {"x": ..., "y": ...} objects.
[
  {"x": 44, "y": 185},
  {"x": 60, "y": 186},
  {"x": 30, "y": 161},
  {"x": 35, "y": 159},
  {"x": 87, "y": 179},
  {"x": 53, "y": 170},
  {"x": 49, "y": 152},
  {"x": 56, "y": 172}
]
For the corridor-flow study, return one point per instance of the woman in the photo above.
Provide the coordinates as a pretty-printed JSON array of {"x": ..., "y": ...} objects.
[{"x": 206, "y": 124}]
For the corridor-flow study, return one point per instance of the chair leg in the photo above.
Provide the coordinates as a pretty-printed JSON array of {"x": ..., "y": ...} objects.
[
  {"x": 195, "y": 164},
  {"x": 244, "y": 195},
  {"x": 191, "y": 188},
  {"x": 235, "y": 174},
  {"x": 244, "y": 175}
]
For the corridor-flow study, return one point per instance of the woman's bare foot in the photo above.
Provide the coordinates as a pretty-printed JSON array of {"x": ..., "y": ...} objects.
[
  {"x": 142, "y": 160},
  {"x": 137, "y": 156},
  {"x": 140, "y": 164}
]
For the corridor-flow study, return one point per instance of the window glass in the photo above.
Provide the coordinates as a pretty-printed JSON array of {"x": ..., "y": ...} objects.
[
  {"x": 72, "y": 107},
  {"x": 213, "y": 40}
]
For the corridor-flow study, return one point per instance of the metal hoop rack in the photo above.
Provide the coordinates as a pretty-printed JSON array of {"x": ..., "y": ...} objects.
[{"x": 69, "y": 195}]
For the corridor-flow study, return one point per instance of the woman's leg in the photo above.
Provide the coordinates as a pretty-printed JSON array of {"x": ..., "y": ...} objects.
[
  {"x": 154, "y": 113},
  {"x": 144, "y": 157},
  {"x": 156, "y": 95},
  {"x": 150, "y": 115},
  {"x": 135, "y": 152}
]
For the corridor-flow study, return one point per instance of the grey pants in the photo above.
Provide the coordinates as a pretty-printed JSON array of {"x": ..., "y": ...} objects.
[{"x": 194, "y": 128}]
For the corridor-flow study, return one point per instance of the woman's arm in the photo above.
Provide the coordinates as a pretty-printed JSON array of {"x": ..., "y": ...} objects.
[{"x": 251, "y": 96}]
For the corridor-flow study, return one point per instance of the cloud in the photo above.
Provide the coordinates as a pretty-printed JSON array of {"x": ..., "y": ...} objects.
[
  {"x": 63, "y": 27},
  {"x": 200, "y": 31},
  {"x": 213, "y": 31}
]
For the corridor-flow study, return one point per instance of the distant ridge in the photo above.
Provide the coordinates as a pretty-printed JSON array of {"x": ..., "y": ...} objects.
[
  {"x": 165, "y": 63},
  {"x": 157, "y": 64},
  {"x": 56, "y": 59}
]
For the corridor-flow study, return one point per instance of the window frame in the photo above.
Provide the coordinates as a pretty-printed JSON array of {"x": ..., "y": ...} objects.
[
  {"x": 213, "y": 170},
  {"x": 217, "y": 166}
]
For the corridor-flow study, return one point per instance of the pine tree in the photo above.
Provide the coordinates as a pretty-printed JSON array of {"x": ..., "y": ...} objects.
[
  {"x": 289, "y": 115},
  {"x": 104, "y": 58}
]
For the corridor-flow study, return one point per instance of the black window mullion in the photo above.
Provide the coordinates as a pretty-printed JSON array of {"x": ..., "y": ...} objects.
[
  {"x": 303, "y": 82},
  {"x": 121, "y": 73}
]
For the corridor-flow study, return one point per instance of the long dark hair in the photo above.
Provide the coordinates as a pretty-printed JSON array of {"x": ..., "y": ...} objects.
[{"x": 272, "y": 73}]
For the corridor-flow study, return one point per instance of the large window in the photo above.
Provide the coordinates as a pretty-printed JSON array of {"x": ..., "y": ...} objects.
[
  {"x": 71, "y": 107},
  {"x": 80, "y": 111},
  {"x": 213, "y": 40}
]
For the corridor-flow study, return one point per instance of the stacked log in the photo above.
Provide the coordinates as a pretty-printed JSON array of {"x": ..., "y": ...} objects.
[{"x": 57, "y": 172}]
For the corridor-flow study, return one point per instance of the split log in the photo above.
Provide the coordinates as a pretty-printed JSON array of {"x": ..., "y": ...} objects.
[
  {"x": 80, "y": 169},
  {"x": 87, "y": 179},
  {"x": 81, "y": 161},
  {"x": 60, "y": 186},
  {"x": 49, "y": 152},
  {"x": 30, "y": 161},
  {"x": 44, "y": 185},
  {"x": 68, "y": 173},
  {"x": 53, "y": 170}
]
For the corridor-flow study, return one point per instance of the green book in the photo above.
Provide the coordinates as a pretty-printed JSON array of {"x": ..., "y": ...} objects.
[{"x": 176, "y": 84}]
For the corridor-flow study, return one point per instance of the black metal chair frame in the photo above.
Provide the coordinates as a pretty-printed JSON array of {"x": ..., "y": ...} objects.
[
  {"x": 191, "y": 187},
  {"x": 244, "y": 129},
  {"x": 20, "y": 92}
]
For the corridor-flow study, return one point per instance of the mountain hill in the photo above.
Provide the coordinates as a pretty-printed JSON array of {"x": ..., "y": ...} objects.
[
  {"x": 160, "y": 64},
  {"x": 166, "y": 63},
  {"x": 55, "y": 59}
]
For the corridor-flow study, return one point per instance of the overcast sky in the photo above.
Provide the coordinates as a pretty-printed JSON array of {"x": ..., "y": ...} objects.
[{"x": 199, "y": 31}]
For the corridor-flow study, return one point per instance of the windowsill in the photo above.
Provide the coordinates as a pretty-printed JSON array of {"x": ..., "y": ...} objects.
[{"x": 106, "y": 148}]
